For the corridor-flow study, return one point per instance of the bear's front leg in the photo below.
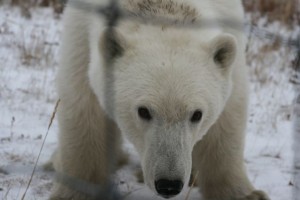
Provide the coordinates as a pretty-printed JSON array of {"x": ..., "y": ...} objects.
[
  {"x": 82, "y": 161},
  {"x": 218, "y": 158}
]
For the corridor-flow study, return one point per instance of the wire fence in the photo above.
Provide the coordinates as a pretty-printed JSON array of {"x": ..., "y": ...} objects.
[
  {"x": 296, "y": 146},
  {"x": 113, "y": 13}
]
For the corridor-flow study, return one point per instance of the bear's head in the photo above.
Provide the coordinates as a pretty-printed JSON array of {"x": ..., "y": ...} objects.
[{"x": 164, "y": 89}]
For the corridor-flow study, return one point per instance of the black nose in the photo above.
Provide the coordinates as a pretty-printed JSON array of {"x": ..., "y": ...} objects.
[{"x": 168, "y": 188}]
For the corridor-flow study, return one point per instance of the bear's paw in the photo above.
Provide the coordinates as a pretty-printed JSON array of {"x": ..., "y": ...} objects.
[{"x": 256, "y": 195}]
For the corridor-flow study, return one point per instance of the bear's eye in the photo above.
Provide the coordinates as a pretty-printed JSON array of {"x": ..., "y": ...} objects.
[
  {"x": 144, "y": 113},
  {"x": 197, "y": 116}
]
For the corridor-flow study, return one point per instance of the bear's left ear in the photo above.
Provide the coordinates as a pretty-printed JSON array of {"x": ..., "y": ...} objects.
[
  {"x": 223, "y": 49},
  {"x": 111, "y": 45}
]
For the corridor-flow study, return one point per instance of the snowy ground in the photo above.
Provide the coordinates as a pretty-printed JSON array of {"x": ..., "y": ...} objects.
[{"x": 28, "y": 60}]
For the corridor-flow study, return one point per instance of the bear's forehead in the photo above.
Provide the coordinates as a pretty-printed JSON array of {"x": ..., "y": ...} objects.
[{"x": 172, "y": 96}]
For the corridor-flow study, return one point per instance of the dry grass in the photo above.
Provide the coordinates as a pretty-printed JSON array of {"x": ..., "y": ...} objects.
[
  {"x": 192, "y": 185},
  {"x": 36, "y": 52},
  {"x": 285, "y": 11},
  {"x": 37, "y": 160},
  {"x": 26, "y": 5},
  {"x": 57, "y": 5}
]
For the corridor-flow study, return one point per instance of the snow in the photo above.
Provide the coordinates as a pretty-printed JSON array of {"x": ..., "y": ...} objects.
[{"x": 28, "y": 60}]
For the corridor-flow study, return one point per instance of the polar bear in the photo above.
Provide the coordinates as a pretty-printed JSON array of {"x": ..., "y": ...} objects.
[{"x": 178, "y": 93}]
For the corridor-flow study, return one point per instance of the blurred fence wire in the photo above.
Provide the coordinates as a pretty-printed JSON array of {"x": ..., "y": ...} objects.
[
  {"x": 113, "y": 13},
  {"x": 296, "y": 145}
]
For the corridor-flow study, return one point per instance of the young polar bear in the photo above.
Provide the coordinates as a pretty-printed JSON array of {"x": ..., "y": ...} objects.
[{"x": 179, "y": 95}]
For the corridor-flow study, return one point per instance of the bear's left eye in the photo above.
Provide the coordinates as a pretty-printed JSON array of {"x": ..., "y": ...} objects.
[
  {"x": 144, "y": 113},
  {"x": 197, "y": 116}
]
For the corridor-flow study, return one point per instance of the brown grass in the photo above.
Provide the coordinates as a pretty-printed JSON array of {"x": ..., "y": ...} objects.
[
  {"x": 37, "y": 160},
  {"x": 285, "y": 11},
  {"x": 26, "y": 5},
  {"x": 192, "y": 185},
  {"x": 57, "y": 5},
  {"x": 35, "y": 51}
]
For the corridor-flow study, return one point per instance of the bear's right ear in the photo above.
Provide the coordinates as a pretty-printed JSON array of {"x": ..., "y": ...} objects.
[
  {"x": 112, "y": 45},
  {"x": 224, "y": 49}
]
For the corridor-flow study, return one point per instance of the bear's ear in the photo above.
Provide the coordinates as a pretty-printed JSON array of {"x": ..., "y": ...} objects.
[
  {"x": 224, "y": 49},
  {"x": 111, "y": 45}
]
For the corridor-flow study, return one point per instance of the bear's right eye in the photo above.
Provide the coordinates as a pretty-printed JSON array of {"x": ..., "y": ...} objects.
[
  {"x": 144, "y": 113},
  {"x": 197, "y": 116}
]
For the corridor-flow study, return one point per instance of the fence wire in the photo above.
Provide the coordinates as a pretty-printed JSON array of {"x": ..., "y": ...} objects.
[
  {"x": 296, "y": 145},
  {"x": 113, "y": 13}
]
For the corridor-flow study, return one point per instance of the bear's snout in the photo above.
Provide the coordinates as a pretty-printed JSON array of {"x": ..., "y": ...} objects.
[{"x": 168, "y": 188}]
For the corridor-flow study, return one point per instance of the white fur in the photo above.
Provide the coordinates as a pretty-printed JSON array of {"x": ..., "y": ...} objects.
[{"x": 172, "y": 72}]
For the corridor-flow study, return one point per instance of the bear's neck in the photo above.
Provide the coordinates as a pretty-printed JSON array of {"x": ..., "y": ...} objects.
[{"x": 162, "y": 9}]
